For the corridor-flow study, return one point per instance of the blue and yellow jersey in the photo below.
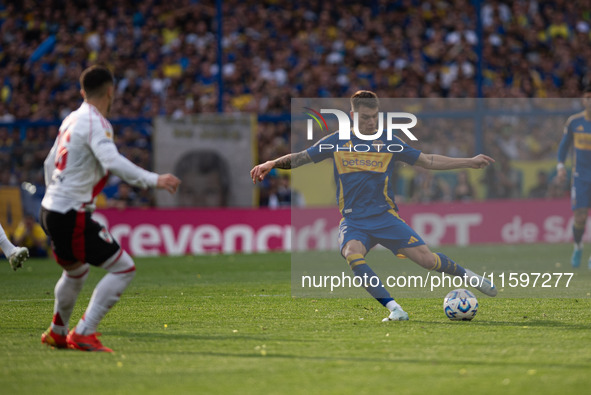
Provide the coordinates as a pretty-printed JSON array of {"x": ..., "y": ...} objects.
[
  {"x": 363, "y": 179},
  {"x": 577, "y": 132}
]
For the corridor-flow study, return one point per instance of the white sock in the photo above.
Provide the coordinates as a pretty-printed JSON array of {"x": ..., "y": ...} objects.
[
  {"x": 107, "y": 293},
  {"x": 391, "y": 305},
  {"x": 66, "y": 292},
  {"x": 7, "y": 247},
  {"x": 578, "y": 246}
]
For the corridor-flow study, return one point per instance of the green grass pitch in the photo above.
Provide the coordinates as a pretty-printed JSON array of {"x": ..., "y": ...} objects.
[{"x": 228, "y": 324}]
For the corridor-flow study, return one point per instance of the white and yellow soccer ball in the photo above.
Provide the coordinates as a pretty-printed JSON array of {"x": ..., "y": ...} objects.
[{"x": 460, "y": 305}]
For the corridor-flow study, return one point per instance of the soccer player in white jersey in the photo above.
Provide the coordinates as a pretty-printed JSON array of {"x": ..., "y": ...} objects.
[
  {"x": 16, "y": 255},
  {"x": 76, "y": 171}
]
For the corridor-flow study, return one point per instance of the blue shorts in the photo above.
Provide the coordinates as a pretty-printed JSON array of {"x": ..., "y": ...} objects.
[
  {"x": 580, "y": 194},
  {"x": 387, "y": 229}
]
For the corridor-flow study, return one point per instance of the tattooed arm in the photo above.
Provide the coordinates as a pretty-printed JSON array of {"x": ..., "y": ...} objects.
[{"x": 289, "y": 161}]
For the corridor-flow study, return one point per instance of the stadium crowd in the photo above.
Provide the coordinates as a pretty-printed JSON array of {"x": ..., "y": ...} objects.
[{"x": 163, "y": 54}]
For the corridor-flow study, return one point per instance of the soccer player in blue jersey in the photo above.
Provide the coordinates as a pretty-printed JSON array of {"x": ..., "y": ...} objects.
[
  {"x": 577, "y": 132},
  {"x": 366, "y": 200}
]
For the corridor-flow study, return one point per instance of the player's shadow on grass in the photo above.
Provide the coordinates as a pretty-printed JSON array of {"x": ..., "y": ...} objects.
[
  {"x": 485, "y": 323},
  {"x": 162, "y": 336},
  {"x": 524, "y": 323}
]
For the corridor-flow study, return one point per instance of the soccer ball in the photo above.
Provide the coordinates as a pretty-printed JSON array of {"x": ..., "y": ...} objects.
[{"x": 460, "y": 304}]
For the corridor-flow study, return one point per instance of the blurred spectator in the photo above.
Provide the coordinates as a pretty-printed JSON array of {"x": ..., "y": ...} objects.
[
  {"x": 30, "y": 234},
  {"x": 165, "y": 53},
  {"x": 168, "y": 49},
  {"x": 283, "y": 196},
  {"x": 502, "y": 181},
  {"x": 425, "y": 187},
  {"x": 540, "y": 190},
  {"x": 463, "y": 189},
  {"x": 509, "y": 180},
  {"x": 123, "y": 198}
]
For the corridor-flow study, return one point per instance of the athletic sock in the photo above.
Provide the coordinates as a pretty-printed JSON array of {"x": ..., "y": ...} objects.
[
  {"x": 444, "y": 264},
  {"x": 107, "y": 292},
  {"x": 5, "y": 244},
  {"x": 361, "y": 269},
  {"x": 578, "y": 236},
  {"x": 391, "y": 305},
  {"x": 66, "y": 292}
]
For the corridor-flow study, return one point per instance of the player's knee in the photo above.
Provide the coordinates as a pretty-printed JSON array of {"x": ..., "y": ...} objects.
[
  {"x": 580, "y": 218},
  {"x": 70, "y": 284},
  {"x": 128, "y": 273},
  {"x": 353, "y": 247},
  {"x": 123, "y": 264},
  {"x": 79, "y": 272}
]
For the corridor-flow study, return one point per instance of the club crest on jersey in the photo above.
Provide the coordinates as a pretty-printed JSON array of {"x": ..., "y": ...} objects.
[
  {"x": 377, "y": 144},
  {"x": 105, "y": 235},
  {"x": 109, "y": 134}
]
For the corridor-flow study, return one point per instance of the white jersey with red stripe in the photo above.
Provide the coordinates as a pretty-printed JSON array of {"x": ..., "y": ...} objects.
[{"x": 79, "y": 163}]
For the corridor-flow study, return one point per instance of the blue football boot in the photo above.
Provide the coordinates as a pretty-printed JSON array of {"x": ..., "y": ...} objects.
[{"x": 575, "y": 260}]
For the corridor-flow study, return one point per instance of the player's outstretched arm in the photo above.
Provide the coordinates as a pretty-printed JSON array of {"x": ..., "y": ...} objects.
[
  {"x": 441, "y": 162},
  {"x": 289, "y": 161},
  {"x": 107, "y": 154}
]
